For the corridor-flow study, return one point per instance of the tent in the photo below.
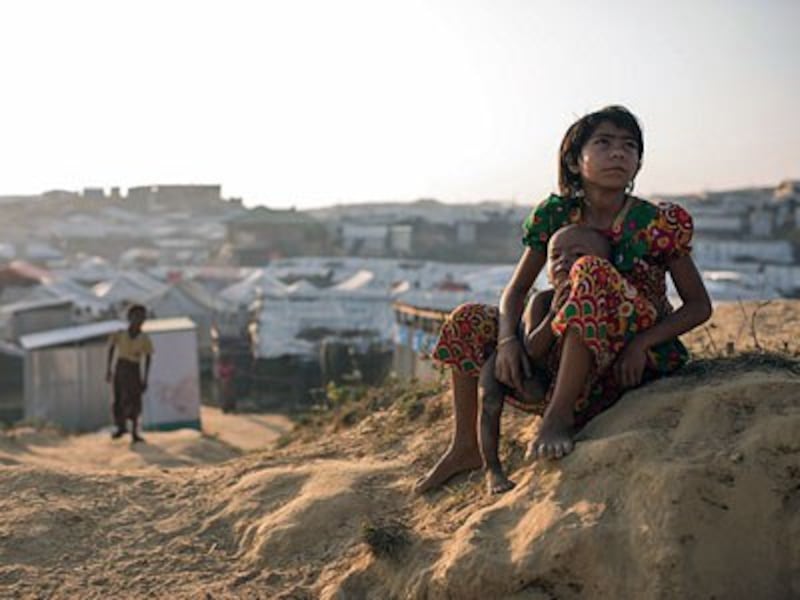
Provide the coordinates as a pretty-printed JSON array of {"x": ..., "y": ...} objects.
[{"x": 189, "y": 299}]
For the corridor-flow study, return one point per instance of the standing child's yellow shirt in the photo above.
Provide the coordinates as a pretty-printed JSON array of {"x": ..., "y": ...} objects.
[{"x": 131, "y": 349}]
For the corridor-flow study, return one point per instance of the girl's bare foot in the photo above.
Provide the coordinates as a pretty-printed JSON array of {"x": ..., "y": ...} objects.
[
  {"x": 554, "y": 439},
  {"x": 497, "y": 482},
  {"x": 453, "y": 462}
]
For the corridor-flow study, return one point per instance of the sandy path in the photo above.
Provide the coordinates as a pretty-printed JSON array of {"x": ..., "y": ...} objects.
[
  {"x": 245, "y": 431},
  {"x": 224, "y": 436}
]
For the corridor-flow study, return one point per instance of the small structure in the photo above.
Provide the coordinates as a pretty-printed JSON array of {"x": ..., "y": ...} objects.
[
  {"x": 262, "y": 234},
  {"x": 11, "y": 382},
  {"x": 18, "y": 278},
  {"x": 416, "y": 330},
  {"x": 65, "y": 376},
  {"x": 22, "y": 318},
  {"x": 172, "y": 400},
  {"x": 190, "y": 197},
  {"x": 419, "y": 316}
]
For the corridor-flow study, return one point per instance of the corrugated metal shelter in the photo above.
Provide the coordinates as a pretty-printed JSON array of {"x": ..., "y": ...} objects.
[
  {"x": 32, "y": 316},
  {"x": 65, "y": 375}
]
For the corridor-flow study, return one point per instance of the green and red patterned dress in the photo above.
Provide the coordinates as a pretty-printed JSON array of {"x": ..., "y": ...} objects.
[{"x": 609, "y": 303}]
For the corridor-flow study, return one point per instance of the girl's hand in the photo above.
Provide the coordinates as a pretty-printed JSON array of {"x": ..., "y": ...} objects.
[
  {"x": 511, "y": 364},
  {"x": 629, "y": 368}
]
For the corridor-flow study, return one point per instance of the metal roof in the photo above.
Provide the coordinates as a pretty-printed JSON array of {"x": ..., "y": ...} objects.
[
  {"x": 31, "y": 305},
  {"x": 70, "y": 335},
  {"x": 101, "y": 329},
  {"x": 162, "y": 325}
]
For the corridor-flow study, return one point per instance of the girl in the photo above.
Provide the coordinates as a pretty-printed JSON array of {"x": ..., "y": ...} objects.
[
  {"x": 616, "y": 329},
  {"x": 131, "y": 346}
]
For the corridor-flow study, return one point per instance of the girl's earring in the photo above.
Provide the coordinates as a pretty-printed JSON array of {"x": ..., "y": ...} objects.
[
  {"x": 629, "y": 187},
  {"x": 579, "y": 191}
]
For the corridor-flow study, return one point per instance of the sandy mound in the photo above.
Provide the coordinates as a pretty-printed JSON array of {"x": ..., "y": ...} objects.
[{"x": 688, "y": 488}]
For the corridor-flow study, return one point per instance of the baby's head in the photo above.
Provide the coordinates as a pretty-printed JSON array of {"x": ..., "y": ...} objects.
[{"x": 568, "y": 244}]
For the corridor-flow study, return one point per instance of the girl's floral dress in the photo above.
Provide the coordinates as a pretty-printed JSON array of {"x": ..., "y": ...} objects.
[{"x": 609, "y": 303}]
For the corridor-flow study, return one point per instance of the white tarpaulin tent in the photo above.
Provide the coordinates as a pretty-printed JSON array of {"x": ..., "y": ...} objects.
[
  {"x": 65, "y": 376},
  {"x": 190, "y": 299},
  {"x": 305, "y": 307}
]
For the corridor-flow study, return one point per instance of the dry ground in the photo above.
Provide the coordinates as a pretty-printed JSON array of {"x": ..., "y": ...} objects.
[{"x": 688, "y": 488}]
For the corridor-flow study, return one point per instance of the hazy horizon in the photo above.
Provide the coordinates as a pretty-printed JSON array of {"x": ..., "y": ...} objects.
[
  {"x": 311, "y": 104},
  {"x": 518, "y": 201}
]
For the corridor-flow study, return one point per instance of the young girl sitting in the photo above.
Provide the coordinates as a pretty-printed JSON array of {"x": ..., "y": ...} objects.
[
  {"x": 566, "y": 246},
  {"x": 616, "y": 327}
]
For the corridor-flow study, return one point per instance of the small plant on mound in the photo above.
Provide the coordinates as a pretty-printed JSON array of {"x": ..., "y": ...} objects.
[
  {"x": 741, "y": 361},
  {"x": 386, "y": 540},
  {"x": 347, "y": 405},
  {"x": 746, "y": 327}
]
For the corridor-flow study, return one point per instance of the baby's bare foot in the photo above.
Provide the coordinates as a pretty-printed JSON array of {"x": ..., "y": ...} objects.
[
  {"x": 497, "y": 482},
  {"x": 554, "y": 439},
  {"x": 452, "y": 463}
]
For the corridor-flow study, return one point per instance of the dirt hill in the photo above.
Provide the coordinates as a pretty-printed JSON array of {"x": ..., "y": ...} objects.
[{"x": 688, "y": 488}]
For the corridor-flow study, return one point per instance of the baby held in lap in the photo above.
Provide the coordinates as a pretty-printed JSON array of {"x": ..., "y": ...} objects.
[{"x": 565, "y": 247}]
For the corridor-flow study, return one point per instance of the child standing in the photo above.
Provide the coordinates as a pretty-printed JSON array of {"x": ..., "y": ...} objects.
[{"x": 131, "y": 345}]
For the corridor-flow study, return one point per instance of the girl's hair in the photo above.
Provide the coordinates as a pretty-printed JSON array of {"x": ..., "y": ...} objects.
[{"x": 569, "y": 183}]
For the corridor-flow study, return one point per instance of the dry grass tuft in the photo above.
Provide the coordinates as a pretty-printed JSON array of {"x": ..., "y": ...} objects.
[
  {"x": 724, "y": 365},
  {"x": 386, "y": 540}
]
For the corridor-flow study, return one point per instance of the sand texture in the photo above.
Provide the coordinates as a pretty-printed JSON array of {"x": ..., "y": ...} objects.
[{"x": 687, "y": 488}]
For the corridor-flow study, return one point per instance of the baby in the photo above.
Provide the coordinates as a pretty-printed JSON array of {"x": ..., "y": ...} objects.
[{"x": 565, "y": 247}]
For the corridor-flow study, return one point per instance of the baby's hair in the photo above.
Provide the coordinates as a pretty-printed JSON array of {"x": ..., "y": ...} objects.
[
  {"x": 569, "y": 183},
  {"x": 137, "y": 308},
  {"x": 598, "y": 238}
]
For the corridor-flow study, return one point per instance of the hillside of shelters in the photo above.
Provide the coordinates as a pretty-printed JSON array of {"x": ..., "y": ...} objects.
[{"x": 281, "y": 303}]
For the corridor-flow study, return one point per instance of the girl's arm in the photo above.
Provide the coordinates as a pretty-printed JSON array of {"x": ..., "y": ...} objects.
[
  {"x": 696, "y": 309},
  {"x": 508, "y": 367}
]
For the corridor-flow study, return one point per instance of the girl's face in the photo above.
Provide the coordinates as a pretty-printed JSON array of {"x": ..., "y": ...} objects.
[
  {"x": 610, "y": 158},
  {"x": 136, "y": 319}
]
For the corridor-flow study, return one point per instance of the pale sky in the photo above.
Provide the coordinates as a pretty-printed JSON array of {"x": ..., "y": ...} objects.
[{"x": 312, "y": 102}]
